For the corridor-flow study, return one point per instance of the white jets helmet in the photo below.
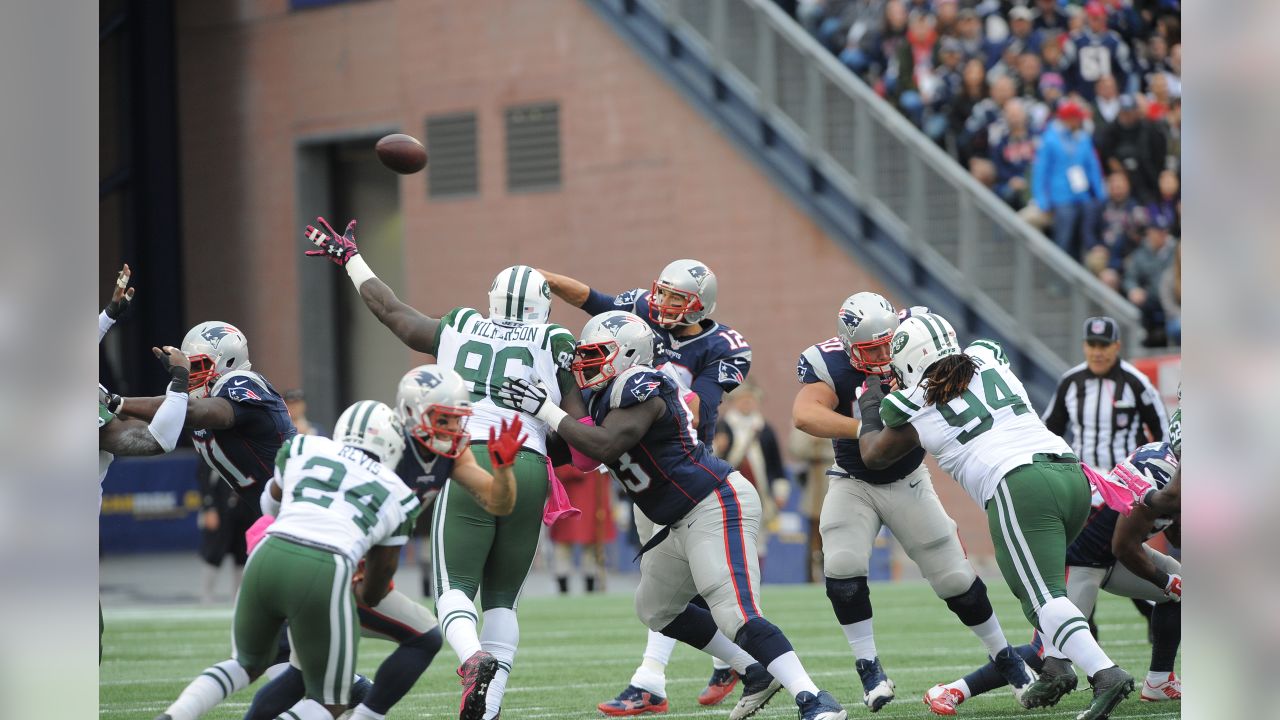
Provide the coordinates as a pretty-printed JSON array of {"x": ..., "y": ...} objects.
[
  {"x": 683, "y": 294},
  {"x": 610, "y": 344},
  {"x": 520, "y": 294},
  {"x": 433, "y": 404},
  {"x": 214, "y": 348},
  {"x": 865, "y": 323},
  {"x": 920, "y": 341},
  {"x": 374, "y": 428}
]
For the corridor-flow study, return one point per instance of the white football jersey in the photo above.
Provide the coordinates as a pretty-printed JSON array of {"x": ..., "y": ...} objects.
[
  {"x": 485, "y": 353},
  {"x": 336, "y": 497},
  {"x": 985, "y": 433}
]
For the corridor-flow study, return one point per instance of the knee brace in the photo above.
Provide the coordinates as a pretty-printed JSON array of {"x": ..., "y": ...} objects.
[
  {"x": 944, "y": 565},
  {"x": 844, "y": 563},
  {"x": 972, "y": 606},
  {"x": 762, "y": 640},
  {"x": 850, "y": 598},
  {"x": 694, "y": 626}
]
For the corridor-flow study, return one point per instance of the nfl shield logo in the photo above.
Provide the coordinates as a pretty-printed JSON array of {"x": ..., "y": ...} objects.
[{"x": 1098, "y": 327}]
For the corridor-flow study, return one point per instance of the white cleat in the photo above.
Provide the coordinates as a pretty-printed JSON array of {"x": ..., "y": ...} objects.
[{"x": 1168, "y": 689}]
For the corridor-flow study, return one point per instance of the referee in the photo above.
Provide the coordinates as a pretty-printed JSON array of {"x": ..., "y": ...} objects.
[{"x": 1106, "y": 402}]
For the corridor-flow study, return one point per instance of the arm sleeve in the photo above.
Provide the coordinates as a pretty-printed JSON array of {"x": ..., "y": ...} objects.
[
  {"x": 269, "y": 505},
  {"x": 1055, "y": 416},
  {"x": 104, "y": 324},
  {"x": 166, "y": 424},
  {"x": 598, "y": 302}
]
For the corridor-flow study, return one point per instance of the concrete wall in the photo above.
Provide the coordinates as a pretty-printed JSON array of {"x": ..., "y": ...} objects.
[{"x": 646, "y": 179}]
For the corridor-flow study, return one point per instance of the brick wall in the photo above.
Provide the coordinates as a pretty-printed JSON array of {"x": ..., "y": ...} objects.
[{"x": 646, "y": 179}]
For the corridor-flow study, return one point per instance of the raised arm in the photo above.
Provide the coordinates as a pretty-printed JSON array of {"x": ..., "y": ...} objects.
[
  {"x": 417, "y": 331},
  {"x": 121, "y": 296},
  {"x": 495, "y": 492},
  {"x": 574, "y": 292},
  {"x": 126, "y": 437}
]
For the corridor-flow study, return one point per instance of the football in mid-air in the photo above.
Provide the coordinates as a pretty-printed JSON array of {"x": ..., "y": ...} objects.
[{"x": 401, "y": 153}]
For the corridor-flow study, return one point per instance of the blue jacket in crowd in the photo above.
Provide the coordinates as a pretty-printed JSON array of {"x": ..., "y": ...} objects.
[{"x": 1060, "y": 150}]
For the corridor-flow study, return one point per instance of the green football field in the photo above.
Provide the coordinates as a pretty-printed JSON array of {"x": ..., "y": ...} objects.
[{"x": 577, "y": 651}]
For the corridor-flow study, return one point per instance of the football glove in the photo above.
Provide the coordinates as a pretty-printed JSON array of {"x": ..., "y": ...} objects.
[
  {"x": 526, "y": 397},
  {"x": 1173, "y": 588},
  {"x": 121, "y": 296},
  {"x": 504, "y": 445},
  {"x": 338, "y": 248}
]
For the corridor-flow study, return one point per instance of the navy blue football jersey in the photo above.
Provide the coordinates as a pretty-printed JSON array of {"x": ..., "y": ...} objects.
[
  {"x": 1092, "y": 547},
  {"x": 669, "y": 470},
  {"x": 711, "y": 363},
  {"x": 423, "y": 470},
  {"x": 827, "y": 362},
  {"x": 244, "y": 454}
]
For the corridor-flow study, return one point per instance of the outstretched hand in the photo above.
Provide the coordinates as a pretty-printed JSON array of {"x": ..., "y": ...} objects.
[
  {"x": 122, "y": 295},
  {"x": 504, "y": 445},
  {"x": 338, "y": 248},
  {"x": 521, "y": 395},
  {"x": 171, "y": 357}
]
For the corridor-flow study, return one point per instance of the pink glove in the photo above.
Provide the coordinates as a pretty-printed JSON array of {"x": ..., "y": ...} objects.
[
  {"x": 338, "y": 248},
  {"x": 256, "y": 531},
  {"x": 580, "y": 461}
]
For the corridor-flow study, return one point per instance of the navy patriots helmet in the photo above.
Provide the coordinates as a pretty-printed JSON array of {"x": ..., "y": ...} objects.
[{"x": 214, "y": 348}]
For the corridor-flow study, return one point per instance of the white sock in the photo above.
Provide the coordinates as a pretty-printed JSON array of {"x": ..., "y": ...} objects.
[
  {"x": 991, "y": 635},
  {"x": 861, "y": 638},
  {"x": 788, "y": 670},
  {"x": 962, "y": 686},
  {"x": 658, "y": 648},
  {"x": 652, "y": 673},
  {"x": 1063, "y": 625},
  {"x": 211, "y": 687},
  {"x": 722, "y": 646},
  {"x": 1155, "y": 678},
  {"x": 362, "y": 712},
  {"x": 458, "y": 620},
  {"x": 308, "y": 709},
  {"x": 499, "y": 637}
]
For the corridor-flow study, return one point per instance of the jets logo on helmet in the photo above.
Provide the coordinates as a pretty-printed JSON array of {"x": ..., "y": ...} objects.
[{"x": 900, "y": 341}]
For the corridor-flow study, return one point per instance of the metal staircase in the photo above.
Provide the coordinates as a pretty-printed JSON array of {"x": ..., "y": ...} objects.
[{"x": 872, "y": 180}]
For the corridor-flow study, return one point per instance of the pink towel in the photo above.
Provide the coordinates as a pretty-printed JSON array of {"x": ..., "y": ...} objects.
[
  {"x": 256, "y": 531},
  {"x": 1120, "y": 489},
  {"x": 580, "y": 461},
  {"x": 558, "y": 506}
]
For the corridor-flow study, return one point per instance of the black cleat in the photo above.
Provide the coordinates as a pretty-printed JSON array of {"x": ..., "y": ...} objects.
[
  {"x": 820, "y": 707},
  {"x": 1110, "y": 686},
  {"x": 476, "y": 673},
  {"x": 758, "y": 688},
  {"x": 877, "y": 687},
  {"x": 1057, "y": 678}
]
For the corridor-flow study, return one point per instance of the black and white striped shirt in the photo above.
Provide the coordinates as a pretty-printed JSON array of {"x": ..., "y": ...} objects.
[{"x": 1106, "y": 415}]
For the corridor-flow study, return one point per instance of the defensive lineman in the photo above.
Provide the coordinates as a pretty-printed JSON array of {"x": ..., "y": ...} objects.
[
  {"x": 971, "y": 412},
  {"x": 859, "y": 500},
  {"x": 710, "y": 359},
  {"x": 641, "y": 429},
  {"x": 432, "y": 406},
  {"x": 473, "y": 550},
  {"x": 335, "y": 501}
]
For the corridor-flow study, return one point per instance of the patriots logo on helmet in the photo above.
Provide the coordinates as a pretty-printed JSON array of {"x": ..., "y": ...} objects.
[
  {"x": 645, "y": 390},
  {"x": 730, "y": 373},
  {"x": 214, "y": 333},
  {"x": 615, "y": 324},
  {"x": 427, "y": 379},
  {"x": 850, "y": 320},
  {"x": 699, "y": 272}
]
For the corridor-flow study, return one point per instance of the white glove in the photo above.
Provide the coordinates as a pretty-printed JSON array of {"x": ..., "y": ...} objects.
[{"x": 526, "y": 397}]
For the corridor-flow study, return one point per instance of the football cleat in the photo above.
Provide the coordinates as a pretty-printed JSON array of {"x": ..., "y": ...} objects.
[
  {"x": 1110, "y": 686},
  {"x": 633, "y": 701},
  {"x": 878, "y": 687},
  {"x": 820, "y": 707},
  {"x": 1057, "y": 678},
  {"x": 1014, "y": 670},
  {"x": 942, "y": 700},
  {"x": 722, "y": 682},
  {"x": 758, "y": 687},
  {"x": 476, "y": 673},
  {"x": 361, "y": 686},
  {"x": 1168, "y": 689}
]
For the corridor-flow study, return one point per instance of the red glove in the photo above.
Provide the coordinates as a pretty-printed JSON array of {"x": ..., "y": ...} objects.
[
  {"x": 504, "y": 446},
  {"x": 1173, "y": 588}
]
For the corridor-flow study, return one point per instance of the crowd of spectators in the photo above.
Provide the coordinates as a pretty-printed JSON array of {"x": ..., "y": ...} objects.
[{"x": 1069, "y": 111}]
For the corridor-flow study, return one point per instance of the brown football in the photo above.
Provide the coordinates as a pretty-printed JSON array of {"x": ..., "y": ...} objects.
[{"x": 401, "y": 153}]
